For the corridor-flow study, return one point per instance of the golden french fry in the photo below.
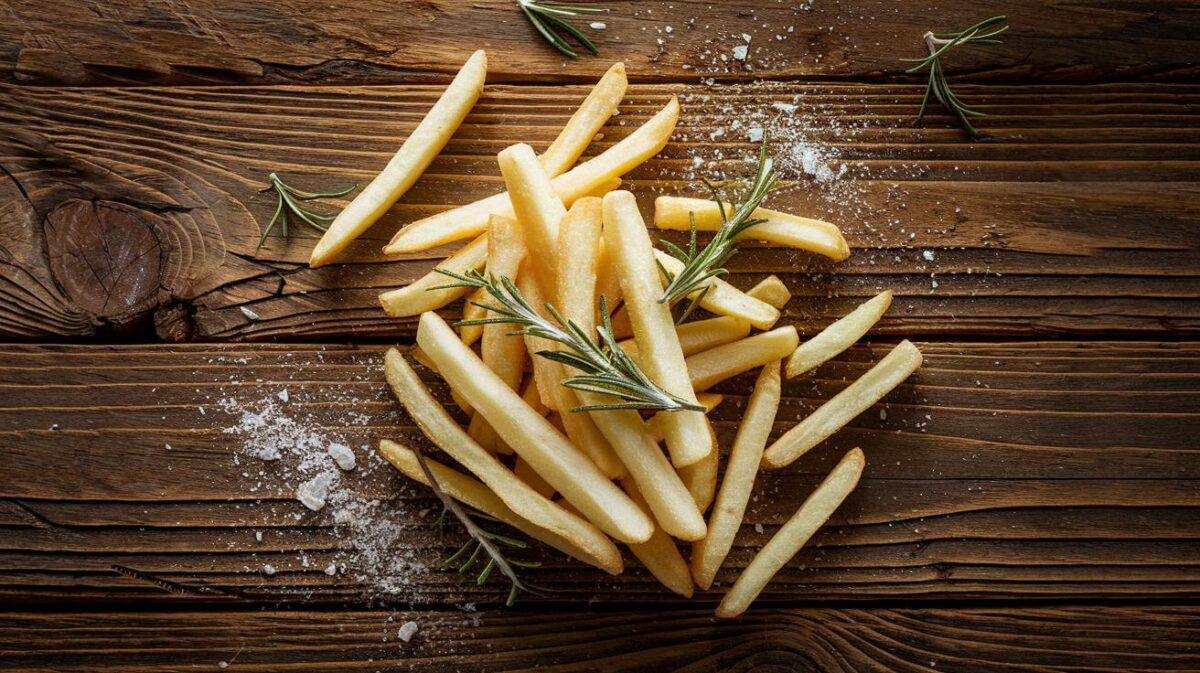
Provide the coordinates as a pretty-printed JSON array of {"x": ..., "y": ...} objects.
[
  {"x": 780, "y": 549},
  {"x": 845, "y": 406},
  {"x": 418, "y": 297},
  {"x": 582, "y": 180},
  {"x": 608, "y": 285},
  {"x": 708, "y": 400},
  {"x": 502, "y": 353},
  {"x": 472, "y": 311},
  {"x": 725, "y": 299},
  {"x": 538, "y": 208},
  {"x": 839, "y": 336},
  {"x": 483, "y": 434},
  {"x": 531, "y": 436},
  {"x": 717, "y": 364},
  {"x": 535, "y": 481},
  {"x": 476, "y": 495},
  {"x": 744, "y": 458},
  {"x": 409, "y": 162},
  {"x": 659, "y": 554},
  {"x": 419, "y": 356},
  {"x": 588, "y": 119},
  {"x": 659, "y": 353},
  {"x": 700, "y": 335},
  {"x": 441, "y": 429},
  {"x": 675, "y": 212},
  {"x": 771, "y": 290},
  {"x": 700, "y": 477}
]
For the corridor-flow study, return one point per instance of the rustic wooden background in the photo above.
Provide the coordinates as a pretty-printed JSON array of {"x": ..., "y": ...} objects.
[{"x": 1032, "y": 498}]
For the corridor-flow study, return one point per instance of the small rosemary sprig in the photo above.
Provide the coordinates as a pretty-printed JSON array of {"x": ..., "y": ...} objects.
[
  {"x": 549, "y": 18},
  {"x": 290, "y": 204},
  {"x": 483, "y": 542},
  {"x": 984, "y": 32},
  {"x": 702, "y": 264},
  {"x": 606, "y": 368}
]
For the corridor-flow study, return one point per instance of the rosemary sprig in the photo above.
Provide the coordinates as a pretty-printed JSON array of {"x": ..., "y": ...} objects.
[
  {"x": 549, "y": 18},
  {"x": 984, "y": 32},
  {"x": 290, "y": 204},
  {"x": 483, "y": 542},
  {"x": 703, "y": 264},
  {"x": 606, "y": 368}
]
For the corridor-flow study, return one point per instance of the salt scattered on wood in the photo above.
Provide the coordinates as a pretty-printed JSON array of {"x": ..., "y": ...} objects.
[
  {"x": 269, "y": 569},
  {"x": 598, "y": 25},
  {"x": 342, "y": 455},
  {"x": 248, "y": 313},
  {"x": 407, "y": 631},
  {"x": 313, "y": 492},
  {"x": 283, "y": 395}
]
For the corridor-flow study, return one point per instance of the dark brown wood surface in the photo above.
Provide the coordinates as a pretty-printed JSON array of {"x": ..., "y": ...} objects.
[{"x": 1031, "y": 500}]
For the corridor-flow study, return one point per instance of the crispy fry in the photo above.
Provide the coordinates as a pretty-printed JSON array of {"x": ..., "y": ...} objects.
[
  {"x": 771, "y": 290},
  {"x": 472, "y": 311},
  {"x": 419, "y": 297},
  {"x": 780, "y": 549},
  {"x": 839, "y": 336},
  {"x": 700, "y": 335},
  {"x": 717, "y": 364},
  {"x": 659, "y": 554},
  {"x": 419, "y": 356},
  {"x": 532, "y": 437},
  {"x": 856, "y": 398},
  {"x": 476, "y": 495},
  {"x": 580, "y": 181},
  {"x": 675, "y": 212},
  {"x": 725, "y": 299},
  {"x": 409, "y": 162},
  {"x": 659, "y": 353},
  {"x": 538, "y": 208},
  {"x": 535, "y": 481},
  {"x": 744, "y": 458},
  {"x": 700, "y": 477},
  {"x": 588, "y": 119},
  {"x": 441, "y": 429},
  {"x": 608, "y": 285}
]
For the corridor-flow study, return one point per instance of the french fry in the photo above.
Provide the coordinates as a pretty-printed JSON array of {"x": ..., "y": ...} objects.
[
  {"x": 700, "y": 335},
  {"x": 418, "y": 297},
  {"x": 588, "y": 119},
  {"x": 708, "y": 400},
  {"x": 535, "y": 481},
  {"x": 659, "y": 353},
  {"x": 409, "y": 162},
  {"x": 441, "y": 429},
  {"x": 675, "y": 212},
  {"x": 531, "y": 436},
  {"x": 474, "y": 494},
  {"x": 725, "y": 299},
  {"x": 419, "y": 356},
  {"x": 856, "y": 398},
  {"x": 839, "y": 336},
  {"x": 771, "y": 290},
  {"x": 659, "y": 554},
  {"x": 472, "y": 311},
  {"x": 700, "y": 477},
  {"x": 483, "y": 434},
  {"x": 744, "y": 458},
  {"x": 607, "y": 283},
  {"x": 580, "y": 181},
  {"x": 780, "y": 549},
  {"x": 621, "y": 326},
  {"x": 717, "y": 364},
  {"x": 538, "y": 208}
]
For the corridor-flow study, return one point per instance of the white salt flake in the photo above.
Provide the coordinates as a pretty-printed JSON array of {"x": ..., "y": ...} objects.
[
  {"x": 342, "y": 455},
  {"x": 407, "y": 631},
  {"x": 222, "y": 664},
  {"x": 168, "y": 447},
  {"x": 883, "y": 414},
  {"x": 758, "y": 528},
  {"x": 755, "y": 134},
  {"x": 739, "y": 52},
  {"x": 331, "y": 570},
  {"x": 258, "y": 535},
  {"x": 928, "y": 255},
  {"x": 283, "y": 395},
  {"x": 746, "y": 37},
  {"x": 598, "y": 25},
  {"x": 248, "y": 313},
  {"x": 784, "y": 107},
  {"x": 269, "y": 569},
  {"x": 313, "y": 492}
]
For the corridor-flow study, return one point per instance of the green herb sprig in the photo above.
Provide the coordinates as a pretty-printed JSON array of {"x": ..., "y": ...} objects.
[
  {"x": 701, "y": 265},
  {"x": 939, "y": 44},
  {"x": 606, "y": 368},
  {"x": 483, "y": 542},
  {"x": 290, "y": 203},
  {"x": 549, "y": 18}
]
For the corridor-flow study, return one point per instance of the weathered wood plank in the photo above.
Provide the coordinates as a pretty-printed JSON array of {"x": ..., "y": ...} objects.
[
  {"x": 204, "y": 41},
  {"x": 967, "y": 640},
  {"x": 1040, "y": 230},
  {"x": 999, "y": 471}
]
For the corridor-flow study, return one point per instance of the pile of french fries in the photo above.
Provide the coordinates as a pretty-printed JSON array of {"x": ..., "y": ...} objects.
[{"x": 584, "y": 481}]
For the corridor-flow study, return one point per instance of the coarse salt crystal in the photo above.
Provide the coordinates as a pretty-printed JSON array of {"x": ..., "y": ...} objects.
[
  {"x": 739, "y": 52},
  {"x": 784, "y": 107},
  {"x": 758, "y": 528},
  {"x": 746, "y": 37},
  {"x": 598, "y": 25},
  {"x": 407, "y": 631},
  {"x": 283, "y": 395},
  {"x": 313, "y": 492},
  {"x": 258, "y": 535},
  {"x": 269, "y": 569},
  {"x": 248, "y": 313},
  {"x": 755, "y": 133},
  {"x": 342, "y": 455},
  {"x": 928, "y": 255},
  {"x": 331, "y": 570}
]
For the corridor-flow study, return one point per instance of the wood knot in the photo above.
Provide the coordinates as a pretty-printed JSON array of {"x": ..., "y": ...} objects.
[{"x": 107, "y": 257}]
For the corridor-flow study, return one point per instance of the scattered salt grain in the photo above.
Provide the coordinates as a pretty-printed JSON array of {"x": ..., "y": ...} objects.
[
  {"x": 269, "y": 569},
  {"x": 313, "y": 492},
  {"x": 746, "y": 37},
  {"x": 283, "y": 395},
  {"x": 598, "y": 25},
  {"x": 258, "y": 535},
  {"x": 883, "y": 414},
  {"x": 755, "y": 133},
  {"x": 222, "y": 664},
  {"x": 342, "y": 455},
  {"x": 740, "y": 51},
  {"x": 784, "y": 107},
  {"x": 248, "y": 313},
  {"x": 168, "y": 447},
  {"x": 407, "y": 631},
  {"x": 331, "y": 570},
  {"x": 758, "y": 528},
  {"x": 928, "y": 255}
]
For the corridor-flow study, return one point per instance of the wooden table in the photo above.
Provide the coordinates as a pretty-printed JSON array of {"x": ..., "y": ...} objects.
[{"x": 1031, "y": 498}]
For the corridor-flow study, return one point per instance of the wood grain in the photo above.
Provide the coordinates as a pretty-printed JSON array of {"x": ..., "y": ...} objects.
[
  {"x": 136, "y": 212},
  {"x": 204, "y": 41},
  {"x": 965, "y": 640},
  {"x": 1024, "y": 470}
]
